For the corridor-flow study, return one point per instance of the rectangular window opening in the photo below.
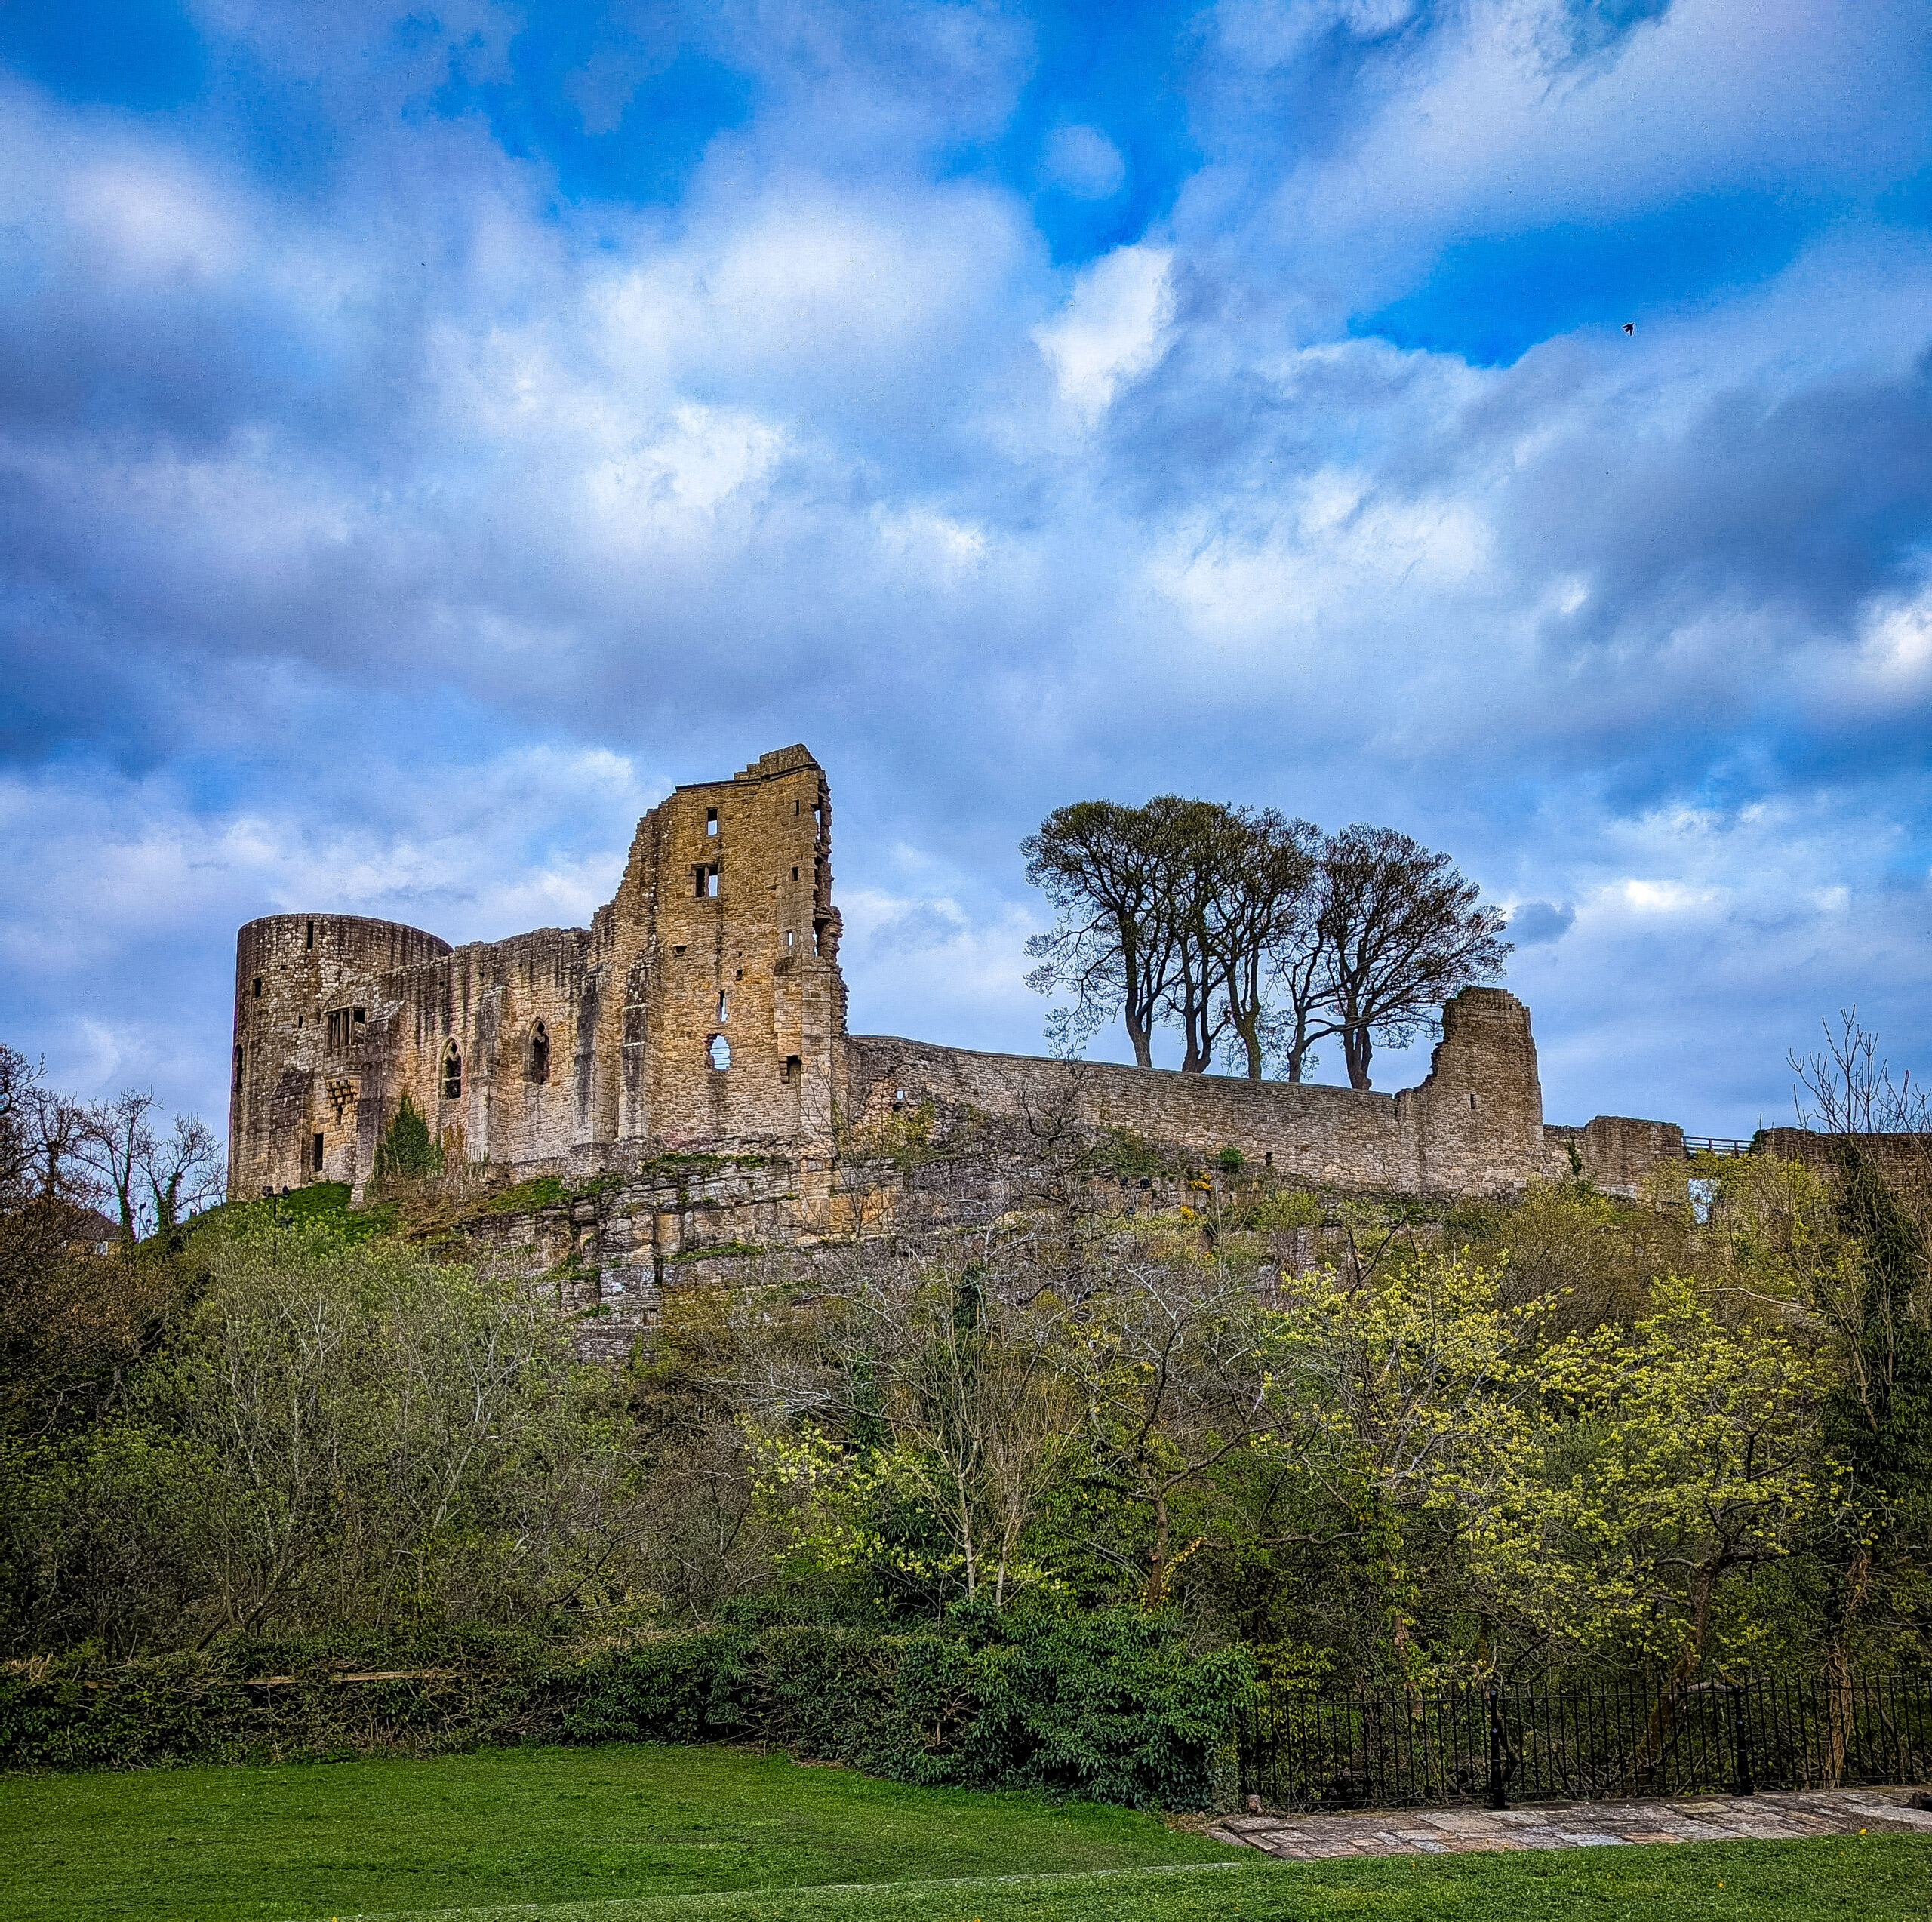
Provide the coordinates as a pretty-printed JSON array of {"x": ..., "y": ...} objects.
[
  {"x": 311, "y": 941},
  {"x": 704, "y": 880},
  {"x": 711, "y": 820},
  {"x": 258, "y": 987},
  {"x": 318, "y": 1153},
  {"x": 721, "y": 1004}
]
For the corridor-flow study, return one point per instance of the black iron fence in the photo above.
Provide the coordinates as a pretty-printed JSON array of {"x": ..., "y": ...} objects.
[{"x": 1536, "y": 1742}]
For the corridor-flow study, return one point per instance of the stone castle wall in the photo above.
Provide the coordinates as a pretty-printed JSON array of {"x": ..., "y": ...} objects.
[
  {"x": 1474, "y": 1127},
  {"x": 704, "y": 1004},
  {"x": 703, "y": 1010}
]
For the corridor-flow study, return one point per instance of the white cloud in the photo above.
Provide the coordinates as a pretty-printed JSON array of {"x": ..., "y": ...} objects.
[{"x": 1113, "y": 329}]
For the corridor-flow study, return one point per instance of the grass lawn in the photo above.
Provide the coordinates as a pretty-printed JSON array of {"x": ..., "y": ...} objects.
[
  {"x": 660, "y": 1834},
  {"x": 516, "y": 1826}
]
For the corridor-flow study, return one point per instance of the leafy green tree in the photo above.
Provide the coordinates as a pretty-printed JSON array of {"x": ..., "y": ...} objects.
[
  {"x": 407, "y": 1150},
  {"x": 1411, "y": 1399},
  {"x": 1679, "y": 1456}
]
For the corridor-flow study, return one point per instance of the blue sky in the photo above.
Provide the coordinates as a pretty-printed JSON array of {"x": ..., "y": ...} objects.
[{"x": 426, "y": 435}]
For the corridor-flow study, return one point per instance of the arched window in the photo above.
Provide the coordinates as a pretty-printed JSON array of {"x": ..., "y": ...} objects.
[
  {"x": 452, "y": 1072},
  {"x": 720, "y": 1053},
  {"x": 540, "y": 1053}
]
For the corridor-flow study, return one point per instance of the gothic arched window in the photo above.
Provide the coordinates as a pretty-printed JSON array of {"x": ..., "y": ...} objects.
[
  {"x": 540, "y": 1053},
  {"x": 452, "y": 1072}
]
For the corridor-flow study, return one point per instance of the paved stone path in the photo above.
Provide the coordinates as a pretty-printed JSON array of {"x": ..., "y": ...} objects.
[{"x": 1577, "y": 1824}]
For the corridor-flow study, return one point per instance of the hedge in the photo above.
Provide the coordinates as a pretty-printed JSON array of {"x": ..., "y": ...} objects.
[{"x": 1110, "y": 1706}]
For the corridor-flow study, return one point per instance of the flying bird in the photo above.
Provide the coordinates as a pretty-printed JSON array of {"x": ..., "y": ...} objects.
[{"x": 1629, "y": 327}]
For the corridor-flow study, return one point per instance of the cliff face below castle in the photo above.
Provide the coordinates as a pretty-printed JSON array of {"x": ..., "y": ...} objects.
[{"x": 698, "y": 1026}]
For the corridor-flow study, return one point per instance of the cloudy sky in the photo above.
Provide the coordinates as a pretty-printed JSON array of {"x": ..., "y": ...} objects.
[{"x": 425, "y": 436}]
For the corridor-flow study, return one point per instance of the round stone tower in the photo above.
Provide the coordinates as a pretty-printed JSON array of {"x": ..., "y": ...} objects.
[{"x": 305, "y": 988}]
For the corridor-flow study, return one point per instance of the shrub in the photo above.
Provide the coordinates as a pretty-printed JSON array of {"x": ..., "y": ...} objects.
[
  {"x": 1110, "y": 1706},
  {"x": 407, "y": 1151}
]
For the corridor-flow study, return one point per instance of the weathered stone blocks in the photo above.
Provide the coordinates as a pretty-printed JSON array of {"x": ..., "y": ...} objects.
[{"x": 702, "y": 1014}]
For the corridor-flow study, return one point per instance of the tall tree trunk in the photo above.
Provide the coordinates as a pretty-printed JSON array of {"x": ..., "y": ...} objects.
[
  {"x": 1357, "y": 1049},
  {"x": 1837, "y": 1674},
  {"x": 1156, "y": 1592}
]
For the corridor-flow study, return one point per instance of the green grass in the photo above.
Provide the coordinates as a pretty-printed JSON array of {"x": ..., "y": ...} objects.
[
  {"x": 659, "y": 1835},
  {"x": 517, "y": 1826}
]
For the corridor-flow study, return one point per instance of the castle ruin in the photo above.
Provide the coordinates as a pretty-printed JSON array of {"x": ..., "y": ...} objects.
[{"x": 702, "y": 1014}]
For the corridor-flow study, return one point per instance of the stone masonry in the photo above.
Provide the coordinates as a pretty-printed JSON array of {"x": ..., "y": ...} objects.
[{"x": 702, "y": 1016}]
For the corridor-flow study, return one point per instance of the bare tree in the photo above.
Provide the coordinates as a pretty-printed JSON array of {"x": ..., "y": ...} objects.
[
  {"x": 19, "y": 1107},
  {"x": 1106, "y": 869},
  {"x": 116, "y": 1140},
  {"x": 1400, "y": 931},
  {"x": 41, "y": 1132},
  {"x": 182, "y": 1169},
  {"x": 1849, "y": 1088}
]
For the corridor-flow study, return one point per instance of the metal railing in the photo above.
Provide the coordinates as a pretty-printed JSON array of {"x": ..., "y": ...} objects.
[
  {"x": 1713, "y": 1144},
  {"x": 1534, "y": 1742}
]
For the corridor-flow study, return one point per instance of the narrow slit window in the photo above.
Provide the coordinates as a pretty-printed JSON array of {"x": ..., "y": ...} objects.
[
  {"x": 711, "y": 820},
  {"x": 452, "y": 1073},
  {"x": 791, "y": 937},
  {"x": 540, "y": 1054},
  {"x": 318, "y": 1153},
  {"x": 238, "y": 1068},
  {"x": 258, "y": 987},
  {"x": 310, "y": 941},
  {"x": 795, "y": 871},
  {"x": 722, "y": 1015}
]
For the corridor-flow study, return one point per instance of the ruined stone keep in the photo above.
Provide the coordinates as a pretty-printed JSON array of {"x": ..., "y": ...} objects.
[{"x": 702, "y": 1012}]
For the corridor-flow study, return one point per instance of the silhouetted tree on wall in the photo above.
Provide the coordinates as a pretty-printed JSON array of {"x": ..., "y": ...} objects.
[
  {"x": 1105, "y": 868},
  {"x": 1247, "y": 929},
  {"x": 1400, "y": 930}
]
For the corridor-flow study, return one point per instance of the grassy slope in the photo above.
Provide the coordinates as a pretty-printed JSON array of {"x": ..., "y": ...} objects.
[
  {"x": 516, "y": 1826},
  {"x": 657, "y": 1835}
]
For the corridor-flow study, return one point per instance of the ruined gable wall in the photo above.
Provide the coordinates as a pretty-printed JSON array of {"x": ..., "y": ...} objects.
[
  {"x": 1474, "y": 1125},
  {"x": 749, "y": 961}
]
